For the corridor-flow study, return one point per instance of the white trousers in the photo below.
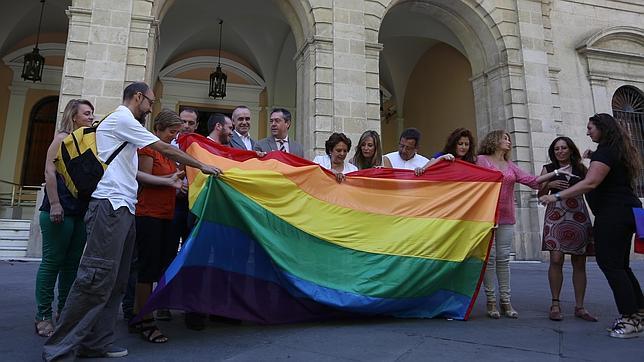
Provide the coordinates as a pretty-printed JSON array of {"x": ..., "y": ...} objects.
[{"x": 499, "y": 264}]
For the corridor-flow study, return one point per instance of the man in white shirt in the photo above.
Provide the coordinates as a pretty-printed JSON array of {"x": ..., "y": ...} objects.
[
  {"x": 220, "y": 128},
  {"x": 406, "y": 156},
  {"x": 241, "y": 137},
  {"x": 279, "y": 140},
  {"x": 86, "y": 325}
]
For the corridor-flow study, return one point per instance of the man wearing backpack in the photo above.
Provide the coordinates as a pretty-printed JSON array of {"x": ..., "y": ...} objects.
[{"x": 86, "y": 325}]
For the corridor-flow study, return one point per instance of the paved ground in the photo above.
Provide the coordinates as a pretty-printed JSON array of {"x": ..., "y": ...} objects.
[{"x": 531, "y": 338}]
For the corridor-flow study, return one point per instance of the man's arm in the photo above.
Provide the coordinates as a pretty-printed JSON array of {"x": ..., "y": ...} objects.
[{"x": 177, "y": 155}]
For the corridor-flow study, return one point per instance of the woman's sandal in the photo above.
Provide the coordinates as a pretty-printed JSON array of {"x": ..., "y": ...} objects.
[
  {"x": 581, "y": 312},
  {"x": 555, "y": 311},
  {"x": 150, "y": 332},
  {"x": 508, "y": 311},
  {"x": 44, "y": 328},
  {"x": 492, "y": 312}
]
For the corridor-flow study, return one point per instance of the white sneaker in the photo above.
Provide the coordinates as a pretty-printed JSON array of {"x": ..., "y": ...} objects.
[
  {"x": 110, "y": 352},
  {"x": 626, "y": 327}
]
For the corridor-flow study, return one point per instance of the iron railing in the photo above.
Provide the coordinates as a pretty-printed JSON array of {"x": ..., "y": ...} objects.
[
  {"x": 634, "y": 124},
  {"x": 20, "y": 195}
]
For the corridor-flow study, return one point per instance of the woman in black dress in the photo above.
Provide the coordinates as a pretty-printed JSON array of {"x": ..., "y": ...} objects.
[{"x": 614, "y": 167}]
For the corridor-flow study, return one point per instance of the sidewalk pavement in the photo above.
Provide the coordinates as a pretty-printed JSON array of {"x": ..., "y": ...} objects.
[{"x": 530, "y": 338}]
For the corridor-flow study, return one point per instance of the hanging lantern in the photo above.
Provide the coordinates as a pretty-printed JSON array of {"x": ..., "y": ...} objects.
[
  {"x": 218, "y": 78},
  {"x": 34, "y": 63}
]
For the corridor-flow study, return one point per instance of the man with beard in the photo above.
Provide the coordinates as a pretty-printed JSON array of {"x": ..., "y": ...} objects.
[
  {"x": 220, "y": 128},
  {"x": 86, "y": 325},
  {"x": 241, "y": 138},
  {"x": 278, "y": 140}
]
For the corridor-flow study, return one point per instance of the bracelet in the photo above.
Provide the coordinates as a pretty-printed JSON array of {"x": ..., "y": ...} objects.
[
  {"x": 557, "y": 197},
  {"x": 556, "y": 172}
]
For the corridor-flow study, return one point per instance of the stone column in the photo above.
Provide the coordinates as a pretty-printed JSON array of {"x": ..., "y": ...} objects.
[
  {"x": 350, "y": 68},
  {"x": 314, "y": 62},
  {"x": 12, "y": 133},
  {"x": 110, "y": 43},
  {"x": 142, "y": 45},
  {"x": 531, "y": 143}
]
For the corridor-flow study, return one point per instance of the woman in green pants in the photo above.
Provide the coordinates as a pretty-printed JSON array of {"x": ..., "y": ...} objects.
[{"x": 61, "y": 223}]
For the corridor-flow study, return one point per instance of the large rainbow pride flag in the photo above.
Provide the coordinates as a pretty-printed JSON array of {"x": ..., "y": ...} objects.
[{"x": 279, "y": 240}]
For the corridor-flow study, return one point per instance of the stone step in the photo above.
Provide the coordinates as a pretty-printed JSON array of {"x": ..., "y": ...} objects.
[
  {"x": 14, "y": 224},
  {"x": 13, "y": 243},
  {"x": 14, "y": 238},
  {"x": 6, "y": 234},
  {"x": 9, "y": 253}
]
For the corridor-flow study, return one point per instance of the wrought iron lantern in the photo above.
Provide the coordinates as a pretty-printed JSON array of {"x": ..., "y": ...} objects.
[
  {"x": 218, "y": 78},
  {"x": 34, "y": 63}
]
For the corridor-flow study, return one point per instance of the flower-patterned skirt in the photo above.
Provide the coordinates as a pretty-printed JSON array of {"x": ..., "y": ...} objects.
[{"x": 567, "y": 228}]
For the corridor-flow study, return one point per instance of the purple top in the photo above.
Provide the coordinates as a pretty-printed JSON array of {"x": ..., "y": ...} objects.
[{"x": 511, "y": 175}]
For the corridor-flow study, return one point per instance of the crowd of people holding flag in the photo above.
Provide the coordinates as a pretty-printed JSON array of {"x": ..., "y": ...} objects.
[{"x": 138, "y": 215}]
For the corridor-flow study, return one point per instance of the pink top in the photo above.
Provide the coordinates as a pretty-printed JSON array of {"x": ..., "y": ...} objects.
[{"x": 511, "y": 175}]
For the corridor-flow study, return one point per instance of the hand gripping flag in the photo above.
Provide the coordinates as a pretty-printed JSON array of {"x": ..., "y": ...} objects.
[{"x": 279, "y": 240}]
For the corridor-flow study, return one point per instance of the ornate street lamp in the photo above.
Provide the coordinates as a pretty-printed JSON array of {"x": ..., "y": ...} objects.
[
  {"x": 218, "y": 78},
  {"x": 34, "y": 63}
]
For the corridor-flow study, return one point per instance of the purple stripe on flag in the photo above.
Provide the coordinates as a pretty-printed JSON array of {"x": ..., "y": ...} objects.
[{"x": 214, "y": 291}]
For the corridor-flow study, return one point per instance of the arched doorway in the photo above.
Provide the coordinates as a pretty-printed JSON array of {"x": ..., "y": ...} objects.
[
  {"x": 42, "y": 124},
  {"x": 628, "y": 109},
  {"x": 259, "y": 44},
  {"x": 441, "y": 63}
]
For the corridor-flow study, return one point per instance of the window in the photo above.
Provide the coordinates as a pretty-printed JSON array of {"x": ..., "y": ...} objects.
[{"x": 628, "y": 109}]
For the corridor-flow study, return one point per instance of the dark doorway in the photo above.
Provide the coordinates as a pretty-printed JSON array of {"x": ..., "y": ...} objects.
[{"x": 42, "y": 123}]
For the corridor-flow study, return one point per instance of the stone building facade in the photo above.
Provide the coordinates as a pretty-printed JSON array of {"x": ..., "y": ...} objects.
[{"x": 538, "y": 68}]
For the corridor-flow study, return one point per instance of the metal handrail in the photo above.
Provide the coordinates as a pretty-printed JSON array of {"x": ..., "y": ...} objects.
[{"x": 17, "y": 193}]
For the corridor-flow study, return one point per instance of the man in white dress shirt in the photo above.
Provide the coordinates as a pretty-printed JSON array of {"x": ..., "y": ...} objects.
[
  {"x": 407, "y": 157},
  {"x": 87, "y": 323}
]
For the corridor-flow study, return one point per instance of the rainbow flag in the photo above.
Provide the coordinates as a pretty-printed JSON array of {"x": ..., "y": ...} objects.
[{"x": 279, "y": 240}]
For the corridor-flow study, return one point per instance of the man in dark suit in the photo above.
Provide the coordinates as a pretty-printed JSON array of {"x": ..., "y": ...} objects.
[
  {"x": 279, "y": 140},
  {"x": 241, "y": 137}
]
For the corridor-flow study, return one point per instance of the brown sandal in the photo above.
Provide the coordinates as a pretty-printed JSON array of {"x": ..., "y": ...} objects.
[
  {"x": 555, "y": 311},
  {"x": 581, "y": 312},
  {"x": 44, "y": 328}
]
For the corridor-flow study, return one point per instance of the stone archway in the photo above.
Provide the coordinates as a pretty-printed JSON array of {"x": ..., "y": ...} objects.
[
  {"x": 466, "y": 28},
  {"x": 267, "y": 49}
]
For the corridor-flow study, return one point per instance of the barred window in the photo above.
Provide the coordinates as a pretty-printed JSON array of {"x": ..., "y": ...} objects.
[{"x": 628, "y": 109}]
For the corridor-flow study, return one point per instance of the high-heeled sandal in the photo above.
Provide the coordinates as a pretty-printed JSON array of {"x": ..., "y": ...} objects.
[
  {"x": 508, "y": 311},
  {"x": 492, "y": 312},
  {"x": 44, "y": 328},
  {"x": 581, "y": 312},
  {"x": 555, "y": 311}
]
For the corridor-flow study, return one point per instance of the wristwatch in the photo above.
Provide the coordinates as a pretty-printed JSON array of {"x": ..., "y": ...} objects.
[{"x": 558, "y": 197}]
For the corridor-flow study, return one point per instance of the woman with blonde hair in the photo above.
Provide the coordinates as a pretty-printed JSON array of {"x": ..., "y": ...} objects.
[
  {"x": 368, "y": 153},
  {"x": 61, "y": 224},
  {"x": 494, "y": 152}
]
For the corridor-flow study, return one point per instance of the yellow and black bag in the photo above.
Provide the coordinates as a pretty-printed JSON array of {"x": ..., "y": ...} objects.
[{"x": 78, "y": 163}]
